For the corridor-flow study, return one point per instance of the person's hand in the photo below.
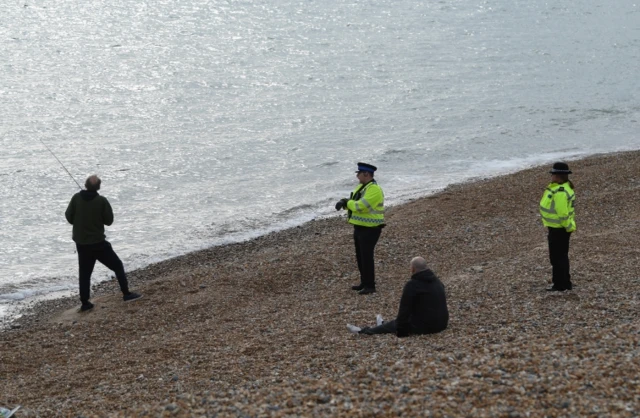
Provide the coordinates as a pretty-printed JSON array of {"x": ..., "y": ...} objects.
[{"x": 342, "y": 203}]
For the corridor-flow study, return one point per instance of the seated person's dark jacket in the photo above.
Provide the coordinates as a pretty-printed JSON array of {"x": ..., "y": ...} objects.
[{"x": 423, "y": 307}]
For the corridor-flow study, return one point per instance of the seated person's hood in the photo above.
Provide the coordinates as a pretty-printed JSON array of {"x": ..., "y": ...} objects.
[{"x": 426, "y": 276}]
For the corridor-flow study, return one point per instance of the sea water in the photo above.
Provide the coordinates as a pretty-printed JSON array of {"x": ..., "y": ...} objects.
[{"x": 215, "y": 121}]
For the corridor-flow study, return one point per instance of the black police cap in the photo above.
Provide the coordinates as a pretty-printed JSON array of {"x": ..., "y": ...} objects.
[
  {"x": 560, "y": 168},
  {"x": 366, "y": 167}
]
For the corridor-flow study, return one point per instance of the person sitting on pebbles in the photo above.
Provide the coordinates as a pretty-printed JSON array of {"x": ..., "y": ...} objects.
[{"x": 423, "y": 306}]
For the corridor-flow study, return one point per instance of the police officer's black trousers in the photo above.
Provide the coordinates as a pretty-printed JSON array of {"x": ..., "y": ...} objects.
[
  {"x": 102, "y": 252},
  {"x": 559, "y": 257},
  {"x": 365, "y": 239}
]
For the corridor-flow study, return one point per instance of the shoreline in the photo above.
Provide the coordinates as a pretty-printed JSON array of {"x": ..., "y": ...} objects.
[
  {"x": 43, "y": 305},
  {"x": 29, "y": 312},
  {"x": 261, "y": 323},
  {"x": 19, "y": 308}
]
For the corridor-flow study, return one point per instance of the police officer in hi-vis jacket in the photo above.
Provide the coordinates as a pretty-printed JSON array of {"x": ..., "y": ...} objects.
[
  {"x": 558, "y": 215},
  {"x": 365, "y": 209}
]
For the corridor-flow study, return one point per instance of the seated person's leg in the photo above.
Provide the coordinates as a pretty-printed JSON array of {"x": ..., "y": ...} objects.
[{"x": 386, "y": 328}]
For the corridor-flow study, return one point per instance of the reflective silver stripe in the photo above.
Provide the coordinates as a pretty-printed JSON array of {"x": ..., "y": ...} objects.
[
  {"x": 552, "y": 208},
  {"x": 372, "y": 212},
  {"x": 562, "y": 218},
  {"x": 552, "y": 221},
  {"x": 551, "y": 211},
  {"x": 368, "y": 205},
  {"x": 556, "y": 220}
]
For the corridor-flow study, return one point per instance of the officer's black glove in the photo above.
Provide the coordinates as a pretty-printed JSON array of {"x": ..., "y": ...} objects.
[{"x": 342, "y": 203}]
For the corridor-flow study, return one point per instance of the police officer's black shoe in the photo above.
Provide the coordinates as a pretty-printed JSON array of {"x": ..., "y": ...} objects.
[
  {"x": 554, "y": 289},
  {"x": 367, "y": 290},
  {"x": 357, "y": 287},
  {"x": 86, "y": 306}
]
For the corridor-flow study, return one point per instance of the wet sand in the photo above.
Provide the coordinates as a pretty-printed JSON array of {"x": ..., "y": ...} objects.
[{"x": 259, "y": 328}]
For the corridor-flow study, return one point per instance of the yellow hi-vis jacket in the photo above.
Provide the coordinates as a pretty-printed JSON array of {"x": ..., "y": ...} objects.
[
  {"x": 366, "y": 205},
  {"x": 557, "y": 207}
]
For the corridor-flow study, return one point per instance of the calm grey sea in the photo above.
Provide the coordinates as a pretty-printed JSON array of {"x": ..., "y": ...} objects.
[{"x": 215, "y": 121}]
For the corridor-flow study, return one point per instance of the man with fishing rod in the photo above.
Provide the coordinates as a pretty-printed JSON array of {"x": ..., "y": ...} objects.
[
  {"x": 365, "y": 211},
  {"x": 89, "y": 212}
]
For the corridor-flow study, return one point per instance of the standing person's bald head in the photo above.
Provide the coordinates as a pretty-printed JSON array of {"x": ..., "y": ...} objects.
[
  {"x": 93, "y": 183},
  {"x": 418, "y": 264}
]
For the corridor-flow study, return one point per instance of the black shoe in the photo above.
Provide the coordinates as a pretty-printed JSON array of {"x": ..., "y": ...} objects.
[
  {"x": 357, "y": 287},
  {"x": 367, "y": 291},
  {"x": 366, "y": 331},
  {"x": 131, "y": 296},
  {"x": 86, "y": 306},
  {"x": 554, "y": 289}
]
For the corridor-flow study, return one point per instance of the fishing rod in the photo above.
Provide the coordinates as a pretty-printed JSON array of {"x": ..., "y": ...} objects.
[{"x": 65, "y": 168}]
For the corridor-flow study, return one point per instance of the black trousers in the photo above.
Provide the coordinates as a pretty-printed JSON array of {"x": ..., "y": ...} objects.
[
  {"x": 102, "y": 252},
  {"x": 386, "y": 328},
  {"x": 365, "y": 240},
  {"x": 559, "y": 256}
]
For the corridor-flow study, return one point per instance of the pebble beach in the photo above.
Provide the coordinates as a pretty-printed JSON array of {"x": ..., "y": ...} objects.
[{"x": 259, "y": 328}]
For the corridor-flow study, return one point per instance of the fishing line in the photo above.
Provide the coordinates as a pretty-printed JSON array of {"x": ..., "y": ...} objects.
[{"x": 65, "y": 168}]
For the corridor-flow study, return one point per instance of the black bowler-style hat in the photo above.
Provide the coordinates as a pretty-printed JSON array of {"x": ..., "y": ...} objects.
[
  {"x": 366, "y": 167},
  {"x": 560, "y": 168}
]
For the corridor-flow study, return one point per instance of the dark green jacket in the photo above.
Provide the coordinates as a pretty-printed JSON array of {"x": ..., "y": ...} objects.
[{"x": 89, "y": 212}]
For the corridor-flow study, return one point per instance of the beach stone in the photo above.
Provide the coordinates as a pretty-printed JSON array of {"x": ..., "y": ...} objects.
[{"x": 268, "y": 338}]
